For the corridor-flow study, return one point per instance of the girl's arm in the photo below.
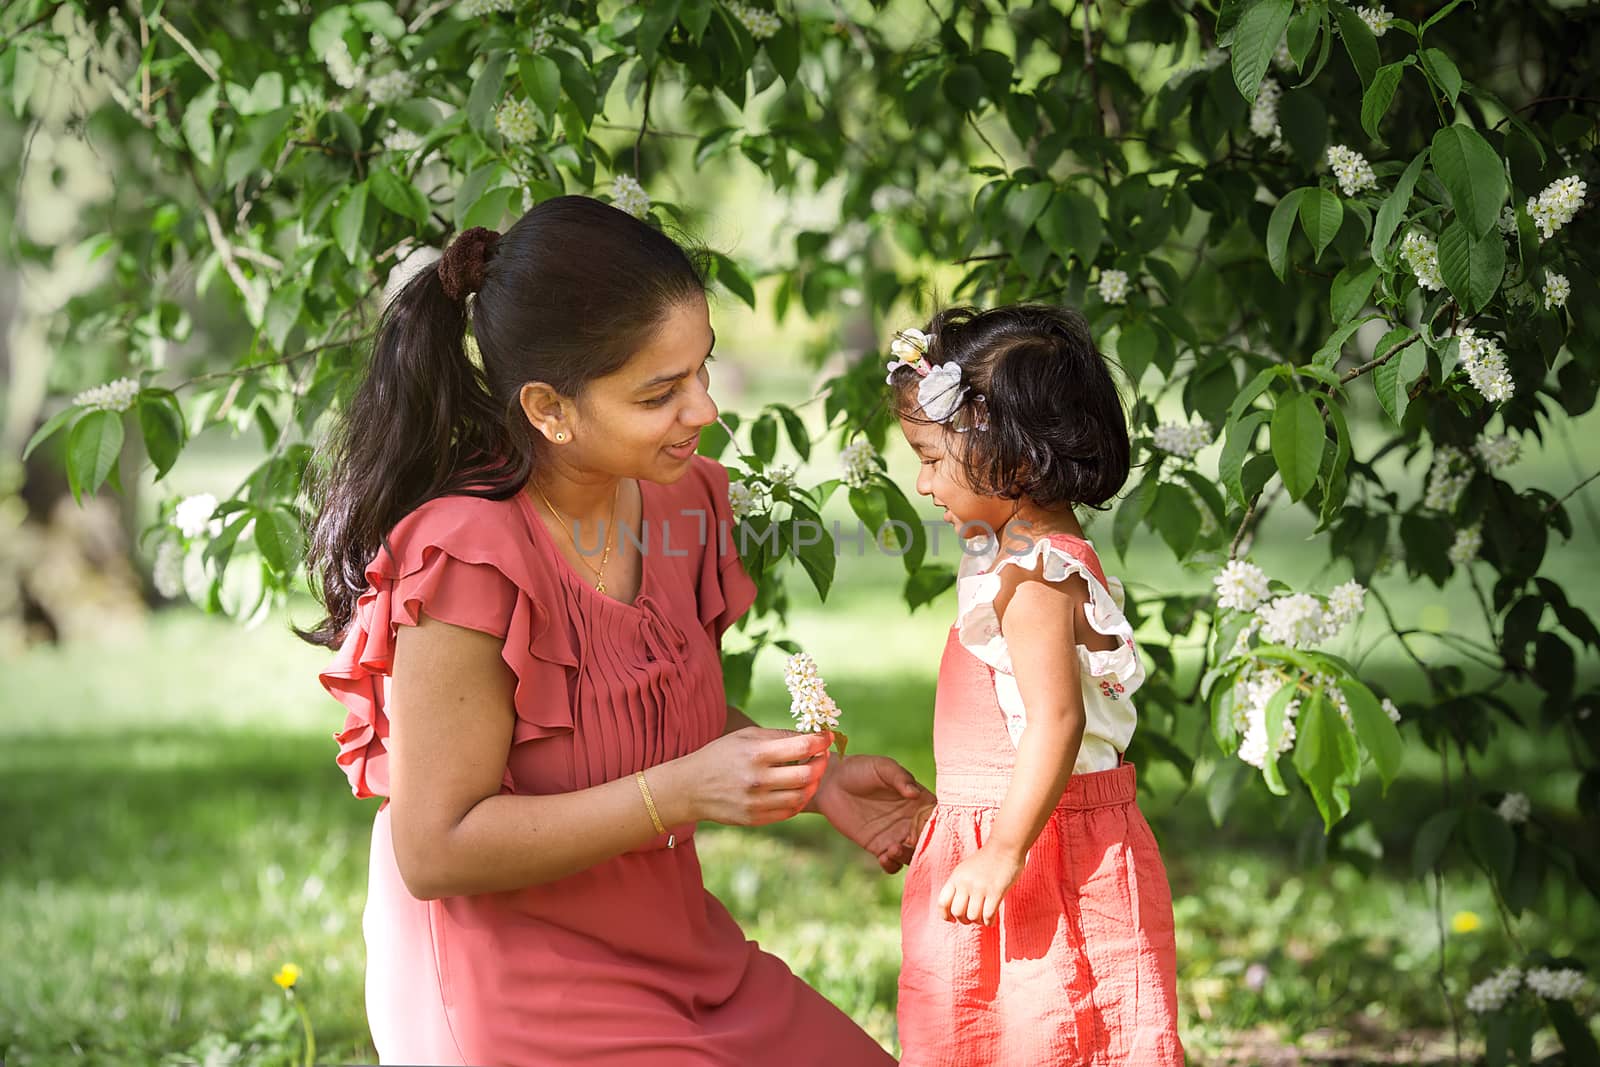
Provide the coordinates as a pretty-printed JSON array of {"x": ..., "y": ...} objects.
[
  {"x": 1038, "y": 620},
  {"x": 451, "y": 717}
]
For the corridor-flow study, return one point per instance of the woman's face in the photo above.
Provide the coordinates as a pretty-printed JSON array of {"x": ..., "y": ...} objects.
[
  {"x": 644, "y": 421},
  {"x": 940, "y": 477}
]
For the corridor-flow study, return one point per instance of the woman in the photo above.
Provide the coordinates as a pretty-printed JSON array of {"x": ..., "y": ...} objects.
[{"x": 547, "y": 723}]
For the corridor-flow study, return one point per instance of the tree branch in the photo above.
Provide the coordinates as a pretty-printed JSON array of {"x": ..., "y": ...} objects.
[
  {"x": 644, "y": 121},
  {"x": 1375, "y": 363},
  {"x": 1551, "y": 507},
  {"x": 240, "y": 372},
  {"x": 188, "y": 46}
]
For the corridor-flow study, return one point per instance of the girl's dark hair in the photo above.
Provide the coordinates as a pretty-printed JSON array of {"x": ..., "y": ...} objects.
[
  {"x": 568, "y": 294},
  {"x": 1042, "y": 418}
]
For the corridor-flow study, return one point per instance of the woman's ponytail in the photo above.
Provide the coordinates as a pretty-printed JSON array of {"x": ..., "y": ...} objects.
[{"x": 422, "y": 423}]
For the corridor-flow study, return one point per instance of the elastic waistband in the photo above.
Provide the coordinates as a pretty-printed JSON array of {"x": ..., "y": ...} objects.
[{"x": 1100, "y": 789}]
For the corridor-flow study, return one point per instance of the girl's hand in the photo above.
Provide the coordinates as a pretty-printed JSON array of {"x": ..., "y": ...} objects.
[
  {"x": 975, "y": 888},
  {"x": 750, "y": 777}
]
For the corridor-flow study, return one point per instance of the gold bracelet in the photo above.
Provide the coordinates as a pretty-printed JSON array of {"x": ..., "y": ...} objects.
[{"x": 650, "y": 806}]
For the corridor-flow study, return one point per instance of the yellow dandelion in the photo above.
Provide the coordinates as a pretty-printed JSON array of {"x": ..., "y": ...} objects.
[
  {"x": 1465, "y": 922},
  {"x": 287, "y": 976}
]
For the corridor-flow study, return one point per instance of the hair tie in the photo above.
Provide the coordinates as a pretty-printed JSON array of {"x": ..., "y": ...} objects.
[{"x": 464, "y": 263}]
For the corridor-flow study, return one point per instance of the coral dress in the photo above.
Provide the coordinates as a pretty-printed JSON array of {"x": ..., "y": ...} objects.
[
  {"x": 1080, "y": 967},
  {"x": 631, "y": 962}
]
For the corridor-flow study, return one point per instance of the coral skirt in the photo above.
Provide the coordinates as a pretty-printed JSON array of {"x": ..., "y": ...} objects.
[{"x": 1080, "y": 966}]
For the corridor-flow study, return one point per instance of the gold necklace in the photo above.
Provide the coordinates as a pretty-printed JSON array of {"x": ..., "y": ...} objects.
[{"x": 605, "y": 554}]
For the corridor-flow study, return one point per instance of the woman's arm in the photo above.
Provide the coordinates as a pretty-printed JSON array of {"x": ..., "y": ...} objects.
[
  {"x": 1038, "y": 621},
  {"x": 451, "y": 719}
]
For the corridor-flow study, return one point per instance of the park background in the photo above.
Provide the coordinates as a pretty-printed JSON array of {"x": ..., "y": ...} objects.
[{"x": 173, "y": 828}]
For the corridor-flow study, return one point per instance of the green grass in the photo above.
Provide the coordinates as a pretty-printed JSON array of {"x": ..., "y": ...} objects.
[{"x": 175, "y": 829}]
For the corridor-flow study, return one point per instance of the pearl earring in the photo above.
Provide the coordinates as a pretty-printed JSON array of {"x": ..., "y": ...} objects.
[{"x": 561, "y": 435}]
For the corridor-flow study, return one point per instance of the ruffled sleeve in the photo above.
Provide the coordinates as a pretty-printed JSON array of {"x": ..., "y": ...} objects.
[
  {"x": 467, "y": 562},
  {"x": 978, "y": 625},
  {"x": 724, "y": 591}
]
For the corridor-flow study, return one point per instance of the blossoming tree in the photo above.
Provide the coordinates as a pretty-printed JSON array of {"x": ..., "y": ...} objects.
[{"x": 1342, "y": 254}]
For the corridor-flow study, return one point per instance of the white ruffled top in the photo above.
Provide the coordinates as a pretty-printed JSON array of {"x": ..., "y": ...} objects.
[{"x": 1109, "y": 677}]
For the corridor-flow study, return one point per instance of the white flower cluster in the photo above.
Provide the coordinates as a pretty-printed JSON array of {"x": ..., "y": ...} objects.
[
  {"x": 1346, "y": 602},
  {"x": 396, "y": 138},
  {"x": 166, "y": 570},
  {"x": 1467, "y": 545},
  {"x": 1264, "y": 113},
  {"x": 1485, "y": 364},
  {"x": 1448, "y": 478},
  {"x": 193, "y": 514},
  {"x": 1492, "y": 993},
  {"x": 813, "y": 709},
  {"x": 1515, "y": 808},
  {"x": 477, "y": 9},
  {"x": 1282, "y": 58},
  {"x": 387, "y": 88},
  {"x": 1391, "y": 710},
  {"x": 1296, "y": 620},
  {"x": 541, "y": 41},
  {"x": 342, "y": 66},
  {"x": 1183, "y": 439},
  {"x": 1378, "y": 19},
  {"x": 1508, "y": 220},
  {"x": 628, "y": 195},
  {"x": 1352, "y": 170},
  {"x": 514, "y": 120},
  {"x": 1554, "y": 207},
  {"x": 1251, "y": 697},
  {"x": 1421, "y": 254},
  {"x": 1556, "y": 290},
  {"x": 1241, "y": 586},
  {"x": 745, "y": 500},
  {"x": 1565, "y": 984},
  {"x": 782, "y": 474},
  {"x": 859, "y": 460},
  {"x": 761, "y": 24},
  {"x": 112, "y": 396},
  {"x": 1113, "y": 286},
  {"x": 1211, "y": 60},
  {"x": 1498, "y": 450}
]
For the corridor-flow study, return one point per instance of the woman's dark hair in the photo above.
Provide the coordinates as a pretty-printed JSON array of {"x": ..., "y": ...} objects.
[
  {"x": 1041, "y": 418},
  {"x": 568, "y": 294}
]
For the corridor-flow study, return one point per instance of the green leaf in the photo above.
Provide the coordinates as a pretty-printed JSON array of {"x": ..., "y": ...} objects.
[
  {"x": 1134, "y": 507},
  {"x": 541, "y": 80},
  {"x": 730, "y": 277},
  {"x": 1436, "y": 16},
  {"x": 1325, "y": 754},
  {"x": 902, "y": 511},
  {"x": 1378, "y": 96},
  {"x": 283, "y": 311},
  {"x": 1230, "y": 464},
  {"x": 198, "y": 129},
  {"x": 657, "y": 21},
  {"x": 1473, "y": 174},
  {"x": 870, "y": 507},
  {"x": 93, "y": 448},
  {"x": 1471, "y": 266},
  {"x": 1223, "y": 787},
  {"x": 1071, "y": 226},
  {"x": 764, "y": 437},
  {"x": 1378, "y": 734},
  {"x": 162, "y": 426},
  {"x": 1351, "y": 288},
  {"x": 491, "y": 208},
  {"x": 926, "y": 583},
  {"x": 1393, "y": 210},
  {"x": 1492, "y": 843},
  {"x": 1302, "y": 34},
  {"x": 799, "y": 439},
  {"x": 1432, "y": 837},
  {"x": 399, "y": 195},
  {"x": 487, "y": 91},
  {"x": 1277, "y": 718},
  {"x": 278, "y": 536},
  {"x": 52, "y": 424},
  {"x": 1328, "y": 354},
  {"x": 1321, "y": 213},
  {"x": 1442, "y": 71},
  {"x": 1255, "y": 388},
  {"x": 1261, "y": 27},
  {"x": 1176, "y": 519},
  {"x": 1279, "y": 228},
  {"x": 348, "y": 220},
  {"x": 578, "y": 83},
  {"x": 1358, "y": 42},
  {"x": 1297, "y": 440},
  {"x": 1385, "y": 383}
]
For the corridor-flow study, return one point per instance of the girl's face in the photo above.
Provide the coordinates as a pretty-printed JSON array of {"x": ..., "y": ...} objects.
[
  {"x": 644, "y": 420},
  {"x": 940, "y": 477}
]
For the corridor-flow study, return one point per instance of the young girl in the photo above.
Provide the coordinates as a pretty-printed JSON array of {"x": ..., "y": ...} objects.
[{"x": 1037, "y": 921}]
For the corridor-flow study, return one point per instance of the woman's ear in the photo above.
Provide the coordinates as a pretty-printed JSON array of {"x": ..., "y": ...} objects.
[{"x": 547, "y": 411}]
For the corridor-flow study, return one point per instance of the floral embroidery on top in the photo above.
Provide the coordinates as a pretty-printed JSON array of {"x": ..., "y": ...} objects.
[{"x": 1112, "y": 690}]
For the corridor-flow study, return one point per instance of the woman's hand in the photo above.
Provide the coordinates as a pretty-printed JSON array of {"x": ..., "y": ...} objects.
[
  {"x": 975, "y": 888},
  {"x": 750, "y": 777},
  {"x": 876, "y": 803}
]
